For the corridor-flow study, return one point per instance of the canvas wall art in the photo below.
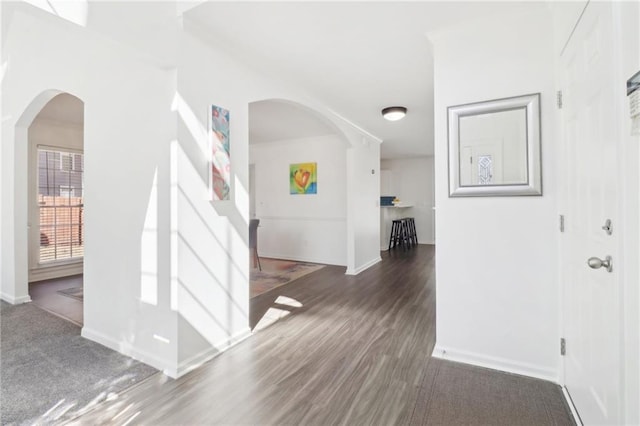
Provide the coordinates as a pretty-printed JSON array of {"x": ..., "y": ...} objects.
[
  {"x": 303, "y": 178},
  {"x": 220, "y": 154}
]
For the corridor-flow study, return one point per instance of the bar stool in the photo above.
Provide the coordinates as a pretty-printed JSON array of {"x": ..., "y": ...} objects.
[
  {"x": 411, "y": 229},
  {"x": 397, "y": 233}
]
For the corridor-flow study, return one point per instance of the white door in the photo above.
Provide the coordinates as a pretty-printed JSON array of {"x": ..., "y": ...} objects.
[{"x": 592, "y": 309}]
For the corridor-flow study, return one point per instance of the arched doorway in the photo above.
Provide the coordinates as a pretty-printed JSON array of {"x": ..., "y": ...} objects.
[
  {"x": 303, "y": 222},
  {"x": 53, "y": 202}
]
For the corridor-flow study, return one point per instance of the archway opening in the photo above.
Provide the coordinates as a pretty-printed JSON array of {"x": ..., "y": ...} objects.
[
  {"x": 55, "y": 206},
  {"x": 297, "y": 192}
]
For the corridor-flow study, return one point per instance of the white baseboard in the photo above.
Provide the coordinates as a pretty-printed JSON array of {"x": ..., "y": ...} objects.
[
  {"x": 572, "y": 407},
  {"x": 161, "y": 364},
  {"x": 197, "y": 360},
  {"x": 495, "y": 363},
  {"x": 283, "y": 256},
  {"x": 127, "y": 349},
  {"x": 15, "y": 300},
  {"x": 363, "y": 267}
]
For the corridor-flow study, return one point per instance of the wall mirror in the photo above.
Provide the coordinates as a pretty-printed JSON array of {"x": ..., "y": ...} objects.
[{"x": 494, "y": 148}]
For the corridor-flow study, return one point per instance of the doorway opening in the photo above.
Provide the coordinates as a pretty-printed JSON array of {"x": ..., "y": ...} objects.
[
  {"x": 56, "y": 207},
  {"x": 297, "y": 204}
]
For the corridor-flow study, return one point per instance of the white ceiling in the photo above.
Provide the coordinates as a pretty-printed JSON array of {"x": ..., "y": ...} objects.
[
  {"x": 356, "y": 57},
  {"x": 271, "y": 121}
]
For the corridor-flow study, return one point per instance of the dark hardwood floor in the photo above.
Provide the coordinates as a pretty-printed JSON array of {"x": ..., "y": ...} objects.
[
  {"x": 355, "y": 342},
  {"x": 353, "y": 350}
]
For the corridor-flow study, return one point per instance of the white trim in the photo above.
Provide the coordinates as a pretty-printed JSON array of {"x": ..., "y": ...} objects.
[
  {"x": 126, "y": 349},
  {"x": 574, "y": 412},
  {"x": 15, "y": 300},
  {"x": 56, "y": 271},
  {"x": 165, "y": 366},
  {"x": 495, "y": 363},
  {"x": 363, "y": 267},
  {"x": 282, "y": 256},
  {"x": 208, "y": 354}
]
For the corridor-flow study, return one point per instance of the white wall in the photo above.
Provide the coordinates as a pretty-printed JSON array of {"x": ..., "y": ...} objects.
[
  {"x": 310, "y": 228},
  {"x": 56, "y": 134},
  {"x": 128, "y": 127},
  {"x": 362, "y": 156},
  {"x": 496, "y": 268},
  {"x": 212, "y": 260},
  {"x": 211, "y": 238},
  {"x": 363, "y": 205},
  {"x": 174, "y": 265},
  {"x": 412, "y": 181}
]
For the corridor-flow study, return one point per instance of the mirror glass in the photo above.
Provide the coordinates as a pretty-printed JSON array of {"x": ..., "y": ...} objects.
[{"x": 494, "y": 147}]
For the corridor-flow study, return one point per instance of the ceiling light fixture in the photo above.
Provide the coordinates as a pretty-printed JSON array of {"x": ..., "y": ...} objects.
[{"x": 394, "y": 113}]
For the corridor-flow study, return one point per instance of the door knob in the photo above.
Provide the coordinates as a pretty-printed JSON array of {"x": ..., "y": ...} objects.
[{"x": 596, "y": 263}]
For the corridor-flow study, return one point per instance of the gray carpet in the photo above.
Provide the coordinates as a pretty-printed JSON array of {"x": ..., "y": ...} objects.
[
  {"x": 49, "y": 373},
  {"x": 459, "y": 394}
]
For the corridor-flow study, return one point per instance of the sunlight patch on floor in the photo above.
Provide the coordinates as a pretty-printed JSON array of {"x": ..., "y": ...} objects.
[
  {"x": 271, "y": 316},
  {"x": 274, "y": 314},
  {"x": 284, "y": 300}
]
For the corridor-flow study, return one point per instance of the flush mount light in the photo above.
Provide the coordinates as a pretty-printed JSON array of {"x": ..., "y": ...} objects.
[{"x": 394, "y": 113}]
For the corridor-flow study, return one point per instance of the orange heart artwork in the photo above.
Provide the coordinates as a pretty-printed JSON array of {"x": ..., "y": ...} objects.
[{"x": 303, "y": 178}]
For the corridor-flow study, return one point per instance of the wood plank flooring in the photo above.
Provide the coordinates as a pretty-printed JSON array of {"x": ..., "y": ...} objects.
[{"x": 354, "y": 353}]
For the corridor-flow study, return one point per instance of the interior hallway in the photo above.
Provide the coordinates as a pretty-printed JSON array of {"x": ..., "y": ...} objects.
[{"x": 355, "y": 350}]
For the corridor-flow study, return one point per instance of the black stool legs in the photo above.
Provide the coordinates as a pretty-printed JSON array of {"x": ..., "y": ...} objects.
[
  {"x": 403, "y": 233},
  {"x": 396, "y": 231}
]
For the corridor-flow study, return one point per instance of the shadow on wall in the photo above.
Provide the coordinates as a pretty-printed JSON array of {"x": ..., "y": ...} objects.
[{"x": 210, "y": 239}]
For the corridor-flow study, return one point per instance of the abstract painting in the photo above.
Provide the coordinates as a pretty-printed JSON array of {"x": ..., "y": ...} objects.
[
  {"x": 303, "y": 178},
  {"x": 220, "y": 154}
]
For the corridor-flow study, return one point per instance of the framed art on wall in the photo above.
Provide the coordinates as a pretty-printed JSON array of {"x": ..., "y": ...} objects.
[
  {"x": 220, "y": 167},
  {"x": 303, "y": 178}
]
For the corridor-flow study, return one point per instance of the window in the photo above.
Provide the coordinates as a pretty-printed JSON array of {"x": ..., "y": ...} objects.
[
  {"x": 60, "y": 202},
  {"x": 66, "y": 162},
  {"x": 70, "y": 161}
]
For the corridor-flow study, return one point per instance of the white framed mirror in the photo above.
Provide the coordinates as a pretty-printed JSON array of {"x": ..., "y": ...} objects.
[{"x": 494, "y": 148}]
